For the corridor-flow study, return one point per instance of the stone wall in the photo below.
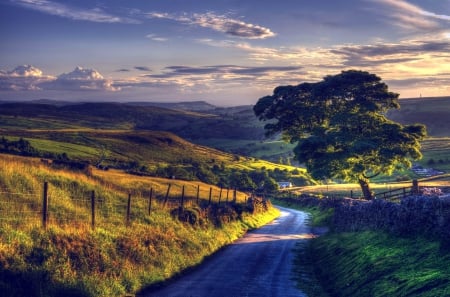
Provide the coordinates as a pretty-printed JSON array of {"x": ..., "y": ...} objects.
[{"x": 425, "y": 215}]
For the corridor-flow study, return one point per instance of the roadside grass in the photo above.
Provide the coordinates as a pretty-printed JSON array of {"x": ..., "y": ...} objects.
[
  {"x": 370, "y": 263},
  {"x": 70, "y": 258},
  {"x": 374, "y": 263}
]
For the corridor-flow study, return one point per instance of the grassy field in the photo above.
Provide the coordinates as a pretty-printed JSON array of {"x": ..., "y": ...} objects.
[{"x": 70, "y": 258}]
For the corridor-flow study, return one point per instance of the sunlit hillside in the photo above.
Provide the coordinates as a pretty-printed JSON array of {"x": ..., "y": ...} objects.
[{"x": 107, "y": 233}]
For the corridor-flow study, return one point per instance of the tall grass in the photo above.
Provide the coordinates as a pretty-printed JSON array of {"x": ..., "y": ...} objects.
[{"x": 72, "y": 259}]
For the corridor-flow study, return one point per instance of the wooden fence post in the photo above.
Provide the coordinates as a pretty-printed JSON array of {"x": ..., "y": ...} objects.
[
  {"x": 234, "y": 195},
  {"x": 228, "y": 191},
  {"x": 198, "y": 193},
  {"x": 182, "y": 198},
  {"x": 210, "y": 195},
  {"x": 167, "y": 195},
  {"x": 93, "y": 209},
  {"x": 220, "y": 195},
  {"x": 45, "y": 206},
  {"x": 415, "y": 187},
  {"x": 128, "y": 210},
  {"x": 150, "y": 201}
]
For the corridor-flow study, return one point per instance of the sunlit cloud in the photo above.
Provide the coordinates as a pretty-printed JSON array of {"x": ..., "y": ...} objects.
[
  {"x": 219, "y": 23},
  {"x": 22, "y": 78},
  {"x": 65, "y": 11},
  {"x": 30, "y": 78},
  {"x": 81, "y": 79},
  {"x": 409, "y": 16}
]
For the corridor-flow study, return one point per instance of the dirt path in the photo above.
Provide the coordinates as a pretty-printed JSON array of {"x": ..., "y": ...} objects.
[{"x": 259, "y": 264}]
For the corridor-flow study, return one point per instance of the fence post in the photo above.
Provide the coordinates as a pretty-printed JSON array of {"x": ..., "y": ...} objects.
[
  {"x": 150, "y": 201},
  {"x": 415, "y": 187},
  {"x": 234, "y": 195},
  {"x": 220, "y": 195},
  {"x": 198, "y": 193},
  {"x": 167, "y": 195},
  {"x": 93, "y": 209},
  {"x": 182, "y": 198},
  {"x": 210, "y": 194},
  {"x": 45, "y": 206},
  {"x": 228, "y": 192},
  {"x": 128, "y": 209}
]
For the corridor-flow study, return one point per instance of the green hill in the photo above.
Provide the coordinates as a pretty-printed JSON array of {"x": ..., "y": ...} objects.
[{"x": 432, "y": 112}]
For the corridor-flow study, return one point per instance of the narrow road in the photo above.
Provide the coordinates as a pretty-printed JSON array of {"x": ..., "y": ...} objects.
[{"x": 259, "y": 264}]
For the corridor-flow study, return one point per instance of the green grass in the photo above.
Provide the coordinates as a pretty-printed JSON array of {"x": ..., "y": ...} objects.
[
  {"x": 379, "y": 264},
  {"x": 370, "y": 263}
]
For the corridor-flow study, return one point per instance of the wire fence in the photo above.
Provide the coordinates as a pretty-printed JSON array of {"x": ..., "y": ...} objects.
[{"x": 51, "y": 208}]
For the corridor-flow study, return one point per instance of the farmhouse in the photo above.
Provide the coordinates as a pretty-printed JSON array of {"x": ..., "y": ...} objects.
[{"x": 284, "y": 185}]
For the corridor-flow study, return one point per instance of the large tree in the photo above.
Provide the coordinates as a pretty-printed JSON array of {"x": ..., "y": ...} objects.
[{"x": 340, "y": 127}]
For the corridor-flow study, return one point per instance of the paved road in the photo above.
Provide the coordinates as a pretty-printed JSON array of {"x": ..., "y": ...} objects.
[{"x": 258, "y": 264}]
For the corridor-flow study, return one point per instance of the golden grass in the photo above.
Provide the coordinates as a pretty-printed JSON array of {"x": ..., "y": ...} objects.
[{"x": 69, "y": 257}]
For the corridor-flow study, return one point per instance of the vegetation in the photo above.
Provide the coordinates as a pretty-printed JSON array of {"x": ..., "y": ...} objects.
[
  {"x": 341, "y": 128},
  {"x": 72, "y": 259},
  {"x": 379, "y": 264},
  {"x": 158, "y": 154},
  {"x": 369, "y": 263}
]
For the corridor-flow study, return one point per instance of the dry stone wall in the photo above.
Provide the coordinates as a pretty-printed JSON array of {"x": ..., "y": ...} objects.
[{"x": 427, "y": 215}]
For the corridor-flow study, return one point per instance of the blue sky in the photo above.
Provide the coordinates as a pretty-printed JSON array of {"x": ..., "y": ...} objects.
[{"x": 227, "y": 52}]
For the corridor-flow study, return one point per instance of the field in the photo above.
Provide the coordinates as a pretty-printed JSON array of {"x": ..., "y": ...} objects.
[{"x": 120, "y": 254}]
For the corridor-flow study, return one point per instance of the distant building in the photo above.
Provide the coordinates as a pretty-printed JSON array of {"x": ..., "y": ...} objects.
[{"x": 284, "y": 185}]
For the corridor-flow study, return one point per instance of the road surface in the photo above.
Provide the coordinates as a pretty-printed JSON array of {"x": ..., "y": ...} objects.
[{"x": 259, "y": 264}]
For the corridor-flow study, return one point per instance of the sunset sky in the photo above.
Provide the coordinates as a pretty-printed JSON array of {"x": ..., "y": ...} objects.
[{"x": 226, "y": 52}]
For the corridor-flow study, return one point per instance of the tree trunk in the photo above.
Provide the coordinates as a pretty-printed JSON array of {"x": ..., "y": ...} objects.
[{"x": 364, "y": 184}]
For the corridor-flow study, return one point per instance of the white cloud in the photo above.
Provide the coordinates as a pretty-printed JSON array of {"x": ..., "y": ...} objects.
[
  {"x": 220, "y": 23},
  {"x": 61, "y": 10},
  {"x": 81, "y": 79},
  {"x": 30, "y": 78},
  {"x": 21, "y": 78},
  {"x": 155, "y": 37}
]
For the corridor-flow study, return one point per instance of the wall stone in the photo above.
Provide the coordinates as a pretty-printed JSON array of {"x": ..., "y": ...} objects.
[{"x": 427, "y": 215}]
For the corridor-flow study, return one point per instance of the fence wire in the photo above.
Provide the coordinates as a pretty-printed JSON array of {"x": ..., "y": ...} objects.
[{"x": 20, "y": 208}]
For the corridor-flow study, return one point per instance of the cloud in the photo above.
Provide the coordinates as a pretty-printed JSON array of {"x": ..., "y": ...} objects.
[
  {"x": 219, "y": 23},
  {"x": 22, "y": 78},
  {"x": 175, "y": 71},
  {"x": 155, "y": 37},
  {"x": 409, "y": 16},
  {"x": 61, "y": 10},
  {"x": 391, "y": 53},
  {"x": 142, "y": 68},
  {"x": 81, "y": 79},
  {"x": 30, "y": 78}
]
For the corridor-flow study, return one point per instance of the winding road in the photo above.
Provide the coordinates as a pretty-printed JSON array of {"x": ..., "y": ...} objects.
[{"x": 259, "y": 264}]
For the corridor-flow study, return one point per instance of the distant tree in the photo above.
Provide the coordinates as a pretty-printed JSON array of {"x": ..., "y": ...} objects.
[{"x": 340, "y": 127}]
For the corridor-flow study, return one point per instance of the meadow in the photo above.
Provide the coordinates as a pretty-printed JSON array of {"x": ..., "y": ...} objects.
[{"x": 70, "y": 258}]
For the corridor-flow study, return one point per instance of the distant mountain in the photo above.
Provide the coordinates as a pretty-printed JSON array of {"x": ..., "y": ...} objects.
[
  {"x": 189, "y": 105},
  {"x": 228, "y": 124}
]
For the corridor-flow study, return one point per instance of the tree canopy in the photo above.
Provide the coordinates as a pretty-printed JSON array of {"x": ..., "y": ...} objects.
[{"x": 340, "y": 127}]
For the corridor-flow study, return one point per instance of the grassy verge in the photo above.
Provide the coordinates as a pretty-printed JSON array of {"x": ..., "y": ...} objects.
[
  {"x": 379, "y": 264},
  {"x": 371, "y": 263}
]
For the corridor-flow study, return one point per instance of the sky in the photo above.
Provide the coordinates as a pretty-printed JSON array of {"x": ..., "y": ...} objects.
[{"x": 225, "y": 52}]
